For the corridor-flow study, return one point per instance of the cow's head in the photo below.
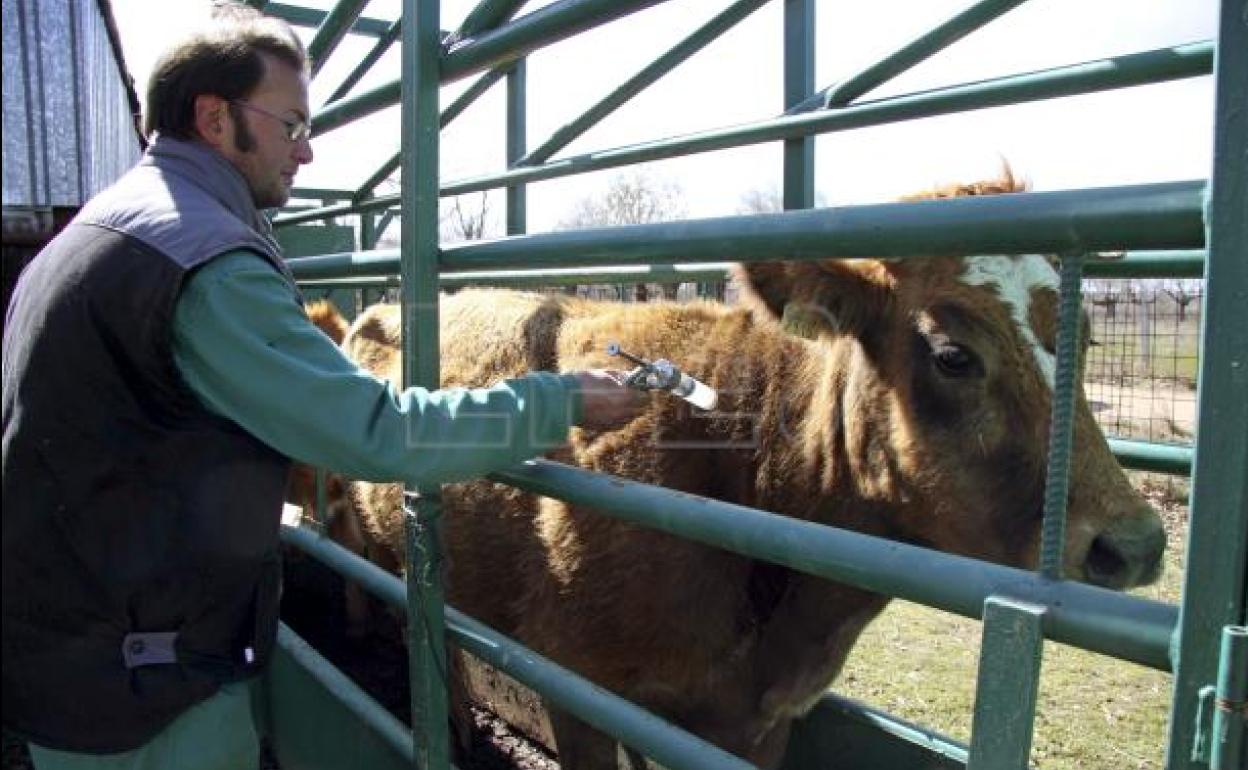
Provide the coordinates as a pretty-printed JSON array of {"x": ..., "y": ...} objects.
[{"x": 937, "y": 391}]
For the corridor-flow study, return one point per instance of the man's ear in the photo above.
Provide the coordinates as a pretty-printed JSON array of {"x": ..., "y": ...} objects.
[{"x": 212, "y": 121}]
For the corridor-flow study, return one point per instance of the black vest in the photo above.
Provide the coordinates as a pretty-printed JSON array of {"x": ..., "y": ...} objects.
[{"x": 140, "y": 555}]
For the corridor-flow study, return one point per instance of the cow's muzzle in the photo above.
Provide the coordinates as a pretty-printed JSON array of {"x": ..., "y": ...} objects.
[{"x": 1126, "y": 554}]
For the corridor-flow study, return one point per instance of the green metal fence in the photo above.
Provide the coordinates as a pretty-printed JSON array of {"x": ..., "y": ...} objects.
[{"x": 1201, "y": 641}]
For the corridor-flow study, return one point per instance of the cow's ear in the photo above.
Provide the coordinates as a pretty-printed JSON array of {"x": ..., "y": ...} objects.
[{"x": 811, "y": 299}]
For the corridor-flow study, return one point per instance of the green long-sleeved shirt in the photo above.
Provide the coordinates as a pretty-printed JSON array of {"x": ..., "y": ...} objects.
[{"x": 245, "y": 348}]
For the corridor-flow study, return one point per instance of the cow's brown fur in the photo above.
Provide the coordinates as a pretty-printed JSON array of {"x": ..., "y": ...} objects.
[{"x": 831, "y": 410}]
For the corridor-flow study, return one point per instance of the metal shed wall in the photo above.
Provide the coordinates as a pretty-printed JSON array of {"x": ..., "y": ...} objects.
[{"x": 69, "y": 127}]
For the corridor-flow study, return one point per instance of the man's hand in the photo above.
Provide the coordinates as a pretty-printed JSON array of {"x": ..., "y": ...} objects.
[{"x": 606, "y": 402}]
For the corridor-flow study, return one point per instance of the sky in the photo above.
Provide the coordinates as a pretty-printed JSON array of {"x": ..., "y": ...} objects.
[{"x": 1145, "y": 134}]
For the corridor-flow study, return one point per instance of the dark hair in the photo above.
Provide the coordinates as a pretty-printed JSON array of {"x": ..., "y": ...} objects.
[{"x": 226, "y": 60}]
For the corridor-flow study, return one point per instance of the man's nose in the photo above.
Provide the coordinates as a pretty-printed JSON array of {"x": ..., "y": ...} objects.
[{"x": 303, "y": 151}]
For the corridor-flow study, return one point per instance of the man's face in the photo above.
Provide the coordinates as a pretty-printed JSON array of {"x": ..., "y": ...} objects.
[{"x": 258, "y": 144}]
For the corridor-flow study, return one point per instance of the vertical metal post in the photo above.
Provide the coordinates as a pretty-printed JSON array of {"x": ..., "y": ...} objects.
[
  {"x": 517, "y": 140},
  {"x": 1217, "y": 546},
  {"x": 1061, "y": 423},
  {"x": 1230, "y": 714},
  {"x": 426, "y": 623},
  {"x": 799, "y": 81},
  {"x": 1007, "y": 685}
]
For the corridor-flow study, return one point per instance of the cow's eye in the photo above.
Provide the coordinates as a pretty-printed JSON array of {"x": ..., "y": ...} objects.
[{"x": 955, "y": 361}]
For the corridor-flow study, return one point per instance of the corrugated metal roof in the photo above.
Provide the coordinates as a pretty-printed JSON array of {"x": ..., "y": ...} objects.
[{"x": 69, "y": 105}]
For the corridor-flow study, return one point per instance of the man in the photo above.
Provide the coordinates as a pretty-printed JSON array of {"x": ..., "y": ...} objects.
[{"x": 159, "y": 374}]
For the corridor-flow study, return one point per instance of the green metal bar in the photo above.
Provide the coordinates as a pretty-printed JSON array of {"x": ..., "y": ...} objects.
[
  {"x": 652, "y": 72},
  {"x": 362, "y": 706},
  {"x": 471, "y": 94},
  {"x": 1089, "y": 77},
  {"x": 906, "y": 57},
  {"x": 1214, "y": 585},
  {"x": 542, "y": 27},
  {"x": 1230, "y": 716},
  {"x": 1007, "y": 685},
  {"x": 370, "y": 184},
  {"x": 310, "y": 17},
  {"x": 1149, "y": 456},
  {"x": 426, "y": 621},
  {"x": 1082, "y": 615},
  {"x": 334, "y": 27},
  {"x": 556, "y": 277},
  {"x": 1141, "y": 216},
  {"x": 320, "y": 192},
  {"x": 1166, "y": 215},
  {"x": 487, "y": 15},
  {"x": 669, "y": 745},
  {"x": 375, "y": 53},
  {"x": 517, "y": 140},
  {"x": 1189, "y": 263},
  {"x": 350, "y": 108},
  {"x": 799, "y": 81},
  {"x": 1061, "y": 423}
]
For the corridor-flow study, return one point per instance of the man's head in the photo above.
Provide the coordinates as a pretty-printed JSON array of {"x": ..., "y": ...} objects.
[{"x": 240, "y": 87}]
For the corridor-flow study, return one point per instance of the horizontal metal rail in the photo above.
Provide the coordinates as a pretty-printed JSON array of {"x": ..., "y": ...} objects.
[
  {"x": 389, "y": 729},
  {"x": 372, "y": 57},
  {"x": 667, "y": 744},
  {"x": 333, "y": 28},
  {"x": 1163, "y": 216},
  {"x": 1082, "y": 615},
  {"x": 555, "y": 22},
  {"x": 1136, "y": 69},
  {"x": 1152, "y": 456},
  {"x": 311, "y": 17},
  {"x": 1132, "y": 70},
  {"x": 696, "y": 41},
  {"x": 358, "y": 267},
  {"x": 906, "y": 57}
]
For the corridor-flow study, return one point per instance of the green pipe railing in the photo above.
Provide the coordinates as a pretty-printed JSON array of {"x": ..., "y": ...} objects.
[
  {"x": 1166, "y": 215},
  {"x": 547, "y": 25},
  {"x": 1136, "y": 69},
  {"x": 362, "y": 706},
  {"x": 665, "y": 63},
  {"x": 1091, "y": 618},
  {"x": 1089, "y": 77},
  {"x": 311, "y": 17},
  {"x": 335, "y": 26},
  {"x": 1228, "y": 740},
  {"x": 798, "y": 164},
  {"x": 422, "y": 508},
  {"x": 667, "y": 744},
  {"x": 1215, "y": 585},
  {"x": 1150, "y": 456},
  {"x": 360, "y": 267},
  {"x": 487, "y": 15},
  {"x": 372, "y": 57},
  {"x": 909, "y": 55}
]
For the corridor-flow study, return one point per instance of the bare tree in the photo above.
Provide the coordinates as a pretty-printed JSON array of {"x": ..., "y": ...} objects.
[
  {"x": 458, "y": 221},
  {"x": 1184, "y": 291},
  {"x": 632, "y": 198}
]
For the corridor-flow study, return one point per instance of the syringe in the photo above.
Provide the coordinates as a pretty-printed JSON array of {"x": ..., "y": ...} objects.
[{"x": 662, "y": 374}]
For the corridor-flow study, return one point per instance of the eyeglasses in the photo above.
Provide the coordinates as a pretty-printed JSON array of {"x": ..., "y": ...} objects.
[{"x": 296, "y": 130}]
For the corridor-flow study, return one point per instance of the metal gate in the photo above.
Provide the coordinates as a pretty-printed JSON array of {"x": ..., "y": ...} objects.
[{"x": 1203, "y": 641}]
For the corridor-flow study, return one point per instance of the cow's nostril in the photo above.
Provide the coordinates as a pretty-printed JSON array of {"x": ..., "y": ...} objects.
[{"x": 1106, "y": 565}]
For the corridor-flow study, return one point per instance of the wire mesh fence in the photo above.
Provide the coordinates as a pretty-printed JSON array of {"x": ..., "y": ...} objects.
[{"x": 1140, "y": 377}]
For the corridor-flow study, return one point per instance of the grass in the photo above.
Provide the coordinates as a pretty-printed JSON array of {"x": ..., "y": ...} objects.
[{"x": 1093, "y": 712}]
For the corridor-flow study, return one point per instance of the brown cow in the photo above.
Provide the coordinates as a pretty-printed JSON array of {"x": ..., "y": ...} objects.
[{"x": 906, "y": 399}]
